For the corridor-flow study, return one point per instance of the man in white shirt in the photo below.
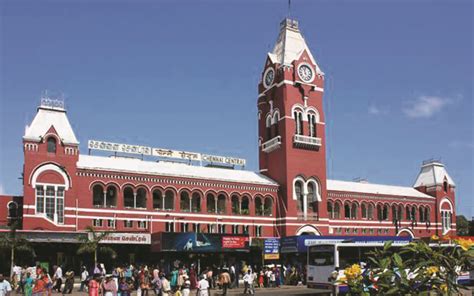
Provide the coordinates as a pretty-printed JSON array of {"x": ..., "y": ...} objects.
[
  {"x": 5, "y": 287},
  {"x": 203, "y": 287},
  {"x": 248, "y": 282},
  {"x": 58, "y": 279}
]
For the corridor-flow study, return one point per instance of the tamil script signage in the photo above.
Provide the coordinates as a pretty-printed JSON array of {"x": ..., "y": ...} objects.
[
  {"x": 126, "y": 238},
  {"x": 271, "y": 249},
  {"x": 165, "y": 153}
]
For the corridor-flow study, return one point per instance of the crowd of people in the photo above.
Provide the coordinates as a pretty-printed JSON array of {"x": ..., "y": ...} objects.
[{"x": 180, "y": 280}]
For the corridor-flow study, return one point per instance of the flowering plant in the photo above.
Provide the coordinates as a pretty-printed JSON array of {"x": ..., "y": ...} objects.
[{"x": 418, "y": 268}]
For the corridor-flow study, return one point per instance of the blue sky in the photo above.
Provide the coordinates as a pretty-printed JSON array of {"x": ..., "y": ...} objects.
[{"x": 184, "y": 74}]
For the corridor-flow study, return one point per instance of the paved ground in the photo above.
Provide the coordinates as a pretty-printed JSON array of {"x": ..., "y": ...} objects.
[{"x": 284, "y": 290}]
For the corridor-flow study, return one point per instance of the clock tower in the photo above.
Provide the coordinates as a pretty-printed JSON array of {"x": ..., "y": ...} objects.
[{"x": 292, "y": 143}]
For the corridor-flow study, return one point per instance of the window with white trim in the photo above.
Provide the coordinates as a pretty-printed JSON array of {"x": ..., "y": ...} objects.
[
  {"x": 221, "y": 228},
  {"x": 312, "y": 125},
  {"x": 97, "y": 222},
  {"x": 245, "y": 229},
  {"x": 169, "y": 227},
  {"x": 50, "y": 201},
  {"x": 258, "y": 231},
  {"x": 298, "y": 122},
  {"x": 141, "y": 224},
  {"x": 197, "y": 227},
  {"x": 128, "y": 224},
  {"x": 235, "y": 229},
  {"x": 111, "y": 223},
  {"x": 184, "y": 227}
]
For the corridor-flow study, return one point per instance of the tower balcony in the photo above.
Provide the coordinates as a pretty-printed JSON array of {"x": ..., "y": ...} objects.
[
  {"x": 271, "y": 144},
  {"x": 306, "y": 142}
]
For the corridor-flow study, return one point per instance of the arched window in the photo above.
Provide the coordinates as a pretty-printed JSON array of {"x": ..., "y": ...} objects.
[
  {"x": 400, "y": 213},
  {"x": 337, "y": 210},
  {"x": 427, "y": 214},
  {"x": 298, "y": 122},
  {"x": 347, "y": 210},
  {"x": 299, "y": 195},
  {"x": 211, "y": 203},
  {"x": 158, "y": 201},
  {"x": 385, "y": 212},
  {"x": 276, "y": 119},
  {"x": 394, "y": 212},
  {"x": 235, "y": 204},
  {"x": 268, "y": 207},
  {"x": 312, "y": 125},
  {"x": 268, "y": 127},
  {"x": 51, "y": 142},
  {"x": 445, "y": 186},
  {"x": 169, "y": 200},
  {"x": 196, "y": 203},
  {"x": 312, "y": 199},
  {"x": 413, "y": 214},
  {"x": 244, "y": 205},
  {"x": 128, "y": 197},
  {"x": 12, "y": 211},
  {"x": 354, "y": 211},
  {"x": 184, "y": 202},
  {"x": 363, "y": 208},
  {"x": 330, "y": 209},
  {"x": 370, "y": 211},
  {"x": 421, "y": 213},
  {"x": 258, "y": 206},
  {"x": 140, "y": 201},
  {"x": 379, "y": 212},
  {"x": 221, "y": 204},
  {"x": 111, "y": 196},
  {"x": 98, "y": 195}
]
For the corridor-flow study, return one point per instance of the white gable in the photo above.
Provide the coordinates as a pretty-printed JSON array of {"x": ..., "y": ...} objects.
[
  {"x": 133, "y": 165},
  {"x": 431, "y": 174},
  {"x": 290, "y": 45},
  {"x": 336, "y": 185},
  {"x": 44, "y": 119}
]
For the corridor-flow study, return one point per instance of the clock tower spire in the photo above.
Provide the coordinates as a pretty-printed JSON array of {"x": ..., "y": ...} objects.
[{"x": 292, "y": 147}]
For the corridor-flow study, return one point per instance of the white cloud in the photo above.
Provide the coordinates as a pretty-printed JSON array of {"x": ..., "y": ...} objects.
[
  {"x": 375, "y": 110},
  {"x": 426, "y": 106}
]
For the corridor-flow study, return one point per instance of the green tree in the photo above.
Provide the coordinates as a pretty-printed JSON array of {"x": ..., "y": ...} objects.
[
  {"x": 462, "y": 225},
  {"x": 11, "y": 241},
  {"x": 90, "y": 244}
]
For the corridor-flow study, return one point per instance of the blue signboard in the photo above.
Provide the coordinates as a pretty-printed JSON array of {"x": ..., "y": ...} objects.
[
  {"x": 271, "y": 246},
  {"x": 299, "y": 244}
]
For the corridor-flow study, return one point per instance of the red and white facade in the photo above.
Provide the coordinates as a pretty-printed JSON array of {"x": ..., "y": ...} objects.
[{"x": 66, "y": 190}]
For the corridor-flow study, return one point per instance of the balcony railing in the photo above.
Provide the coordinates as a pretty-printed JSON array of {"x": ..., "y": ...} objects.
[
  {"x": 307, "y": 142},
  {"x": 271, "y": 144}
]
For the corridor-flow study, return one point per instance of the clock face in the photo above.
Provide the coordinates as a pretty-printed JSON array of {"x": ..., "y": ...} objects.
[
  {"x": 305, "y": 72},
  {"x": 269, "y": 76}
]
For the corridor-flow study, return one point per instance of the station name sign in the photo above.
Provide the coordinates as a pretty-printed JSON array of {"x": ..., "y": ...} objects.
[{"x": 165, "y": 153}]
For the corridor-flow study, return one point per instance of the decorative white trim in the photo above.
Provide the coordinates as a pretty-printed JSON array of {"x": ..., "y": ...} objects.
[
  {"x": 446, "y": 200},
  {"x": 49, "y": 167},
  {"x": 406, "y": 230},
  {"x": 289, "y": 82},
  {"x": 308, "y": 228}
]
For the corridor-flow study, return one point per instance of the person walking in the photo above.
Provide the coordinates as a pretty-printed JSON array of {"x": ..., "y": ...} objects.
[
  {"x": 165, "y": 286},
  {"x": 69, "y": 283},
  {"x": 57, "y": 278},
  {"x": 186, "y": 286},
  {"x": 84, "y": 277},
  {"x": 5, "y": 287},
  {"x": 203, "y": 287},
  {"x": 248, "y": 282},
  {"x": 94, "y": 285},
  {"x": 225, "y": 280},
  {"x": 108, "y": 287}
]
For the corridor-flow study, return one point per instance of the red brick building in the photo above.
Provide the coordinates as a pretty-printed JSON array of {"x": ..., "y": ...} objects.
[{"x": 66, "y": 190}]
